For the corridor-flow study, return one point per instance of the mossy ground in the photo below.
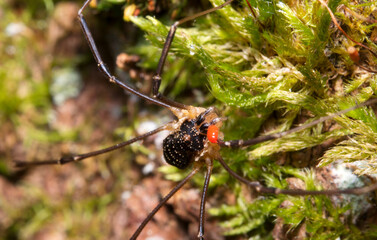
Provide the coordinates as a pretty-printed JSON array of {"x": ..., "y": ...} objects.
[{"x": 289, "y": 67}]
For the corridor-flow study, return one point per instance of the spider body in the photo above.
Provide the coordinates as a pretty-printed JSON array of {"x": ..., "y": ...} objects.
[
  {"x": 180, "y": 147},
  {"x": 189, "y": 142}
]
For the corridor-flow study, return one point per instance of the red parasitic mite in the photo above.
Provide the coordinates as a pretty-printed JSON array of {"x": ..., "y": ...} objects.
[{"x": 213, "y": 133}]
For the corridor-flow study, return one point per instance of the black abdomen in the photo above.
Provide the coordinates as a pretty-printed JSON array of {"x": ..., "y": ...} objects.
[{"x": 181, "y": 146}]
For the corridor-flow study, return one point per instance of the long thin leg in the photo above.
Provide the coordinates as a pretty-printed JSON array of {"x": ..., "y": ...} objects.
[
  {"x": 102, "y": 67},
  {"x": 243, "y": 143},
  {"x": 296, "y": 192},
  {"x": 209, "y": 164},
  {"x": 163, "y": 201},
  {"x": 255, "y": 16},
  {"x": 80, "y": 157},
  {"x": 165, "y": 50}
]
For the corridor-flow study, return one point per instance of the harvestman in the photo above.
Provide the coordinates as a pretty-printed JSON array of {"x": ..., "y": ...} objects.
[{"x": 194, "y": 136}]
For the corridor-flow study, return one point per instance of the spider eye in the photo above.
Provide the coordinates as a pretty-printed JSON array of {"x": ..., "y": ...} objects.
[{"x": 213, "y": 133}]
